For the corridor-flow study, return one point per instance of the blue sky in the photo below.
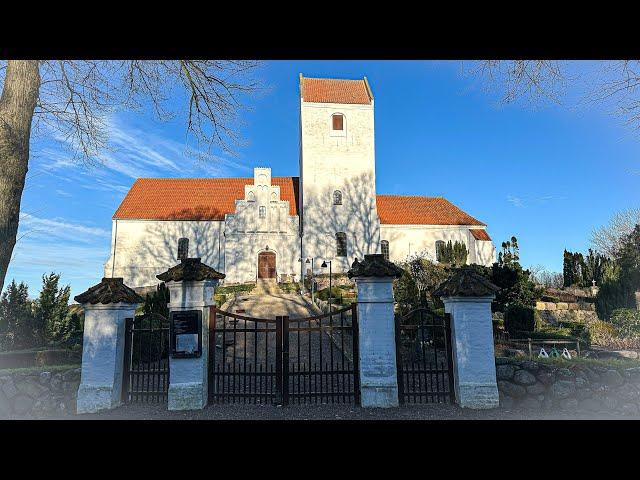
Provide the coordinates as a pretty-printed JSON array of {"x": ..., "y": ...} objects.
[{"x": 547, "y": 175}]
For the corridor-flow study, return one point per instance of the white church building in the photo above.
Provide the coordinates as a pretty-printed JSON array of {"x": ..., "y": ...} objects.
[{"x": 262, "y": 227}]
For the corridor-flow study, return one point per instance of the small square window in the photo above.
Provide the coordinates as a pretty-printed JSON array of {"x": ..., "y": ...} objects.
[
  {"x": 338, "y": 122},
  {"x": 384, "y": 247}
]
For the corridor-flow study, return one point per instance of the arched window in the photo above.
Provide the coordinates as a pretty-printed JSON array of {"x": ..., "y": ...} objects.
[
  {"x": 337, "y": 121},
  {"x": 341, "y": 244},
  {"x": 337, "y": 197},
  {"x": 439, "y": 248},
  {"x": 384, "y": 248},
  {"x": 183, "y": 248},
  {"x": 251, "y": 197}
]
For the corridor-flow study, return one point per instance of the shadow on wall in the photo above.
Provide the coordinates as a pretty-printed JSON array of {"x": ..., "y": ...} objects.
[
  {"x": 357, "y": 217},
  {"x": 158, "y": 248}
]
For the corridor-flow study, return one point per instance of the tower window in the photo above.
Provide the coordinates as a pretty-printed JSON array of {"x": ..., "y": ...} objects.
[
  {"x": 341, "y": 244},
  {"x": 439, "y": 248},
  {"x": 337, "y": 197},
  {"x": 384, "y": 248},
  {"x": 338, "y": 121},
  {"x": 183, "y": 248},
  {"x": 263, "y": 212}
]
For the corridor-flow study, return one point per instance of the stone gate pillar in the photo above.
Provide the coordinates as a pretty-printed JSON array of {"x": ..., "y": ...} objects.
[
  {"x": 467, "y": 296},
  {"x": 191, "y": 286},
  {"x": 377, "y": 343},
  {"x": 106, "y": 306}
]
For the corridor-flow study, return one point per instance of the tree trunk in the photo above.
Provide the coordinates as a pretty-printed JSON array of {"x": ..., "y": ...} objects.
[{"x": 17, "y": 104}]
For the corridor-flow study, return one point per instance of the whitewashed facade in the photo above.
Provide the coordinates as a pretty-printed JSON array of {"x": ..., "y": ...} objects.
[{"x": 336, "y": 197}]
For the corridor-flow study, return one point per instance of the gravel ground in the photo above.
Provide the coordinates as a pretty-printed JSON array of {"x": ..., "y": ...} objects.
[{"x": 334, "y": 412}]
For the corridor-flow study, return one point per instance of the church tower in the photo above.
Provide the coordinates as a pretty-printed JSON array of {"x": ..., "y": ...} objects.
[{"x": 338, "y": 217}]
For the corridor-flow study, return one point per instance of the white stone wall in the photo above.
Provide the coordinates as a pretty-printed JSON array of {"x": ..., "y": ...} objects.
[
  {"x": 247, "y": 234},
  {"x": 145, "y": 248},
  {"x": 485, "y": 252},
  {"x": 338, "y": 160},
  {"x": 405, "y": 240},
  {"x": 242, "y": 255}
]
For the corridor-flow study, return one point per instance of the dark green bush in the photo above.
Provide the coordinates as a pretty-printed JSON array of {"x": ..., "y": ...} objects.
[
  {"x": 614, "y": 294},
  {"x": 337, "y": 293},
  {"x": 577, "y": 330},
  {"x": 289, "y": 287},
  {"x": 519, "y": 319},
  {"x": 242, "y": 288}
]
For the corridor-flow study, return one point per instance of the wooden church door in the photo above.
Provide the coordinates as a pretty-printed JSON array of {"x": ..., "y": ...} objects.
[{"x": 267, "y": 265}]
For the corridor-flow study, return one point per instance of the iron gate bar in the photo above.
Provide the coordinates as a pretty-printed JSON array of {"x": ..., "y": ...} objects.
[
  {"x": 251, "y": 380},
  {"x": 424, "y": 378},
  {"x": 145, "y": 383},
  {"x": 126, "y": 383},
  {"x": 246, "y": 379},
  {"x": 337, "y": 381}
]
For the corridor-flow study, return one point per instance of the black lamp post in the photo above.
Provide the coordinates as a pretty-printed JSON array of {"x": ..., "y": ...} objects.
[
  {"x": 312, "y": 278},
  {"x": 324, "y": 265}
]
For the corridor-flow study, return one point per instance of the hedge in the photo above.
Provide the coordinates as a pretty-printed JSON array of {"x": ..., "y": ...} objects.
[{"x": 519, "y": 319}]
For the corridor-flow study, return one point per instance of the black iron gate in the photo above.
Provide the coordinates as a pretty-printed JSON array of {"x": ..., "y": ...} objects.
[
  {"x": 284, "y": 360},
  {"x": 146, "y": 365},
  {"x": 423, "y": 356}
]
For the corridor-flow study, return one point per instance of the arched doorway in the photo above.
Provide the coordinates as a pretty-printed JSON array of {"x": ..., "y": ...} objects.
[{"x": 267, "y": 265}]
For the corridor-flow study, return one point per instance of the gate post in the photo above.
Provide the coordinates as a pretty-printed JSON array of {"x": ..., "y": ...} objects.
[
  {"x": 376, "y": 330},
  {"x": 191, "y": 286},
  {"x": 106, "y": 306},
  {"x": 467, "y": 296}
]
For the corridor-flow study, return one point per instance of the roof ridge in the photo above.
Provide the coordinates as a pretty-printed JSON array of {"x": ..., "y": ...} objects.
[
  {"x": 210, "y": 178},
  {"x": 332, "y": 78},
  {"x": 409, "y": 196}
]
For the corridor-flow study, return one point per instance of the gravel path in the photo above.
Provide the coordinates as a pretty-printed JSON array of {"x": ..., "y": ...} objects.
[{"x": 334, "y": 412}]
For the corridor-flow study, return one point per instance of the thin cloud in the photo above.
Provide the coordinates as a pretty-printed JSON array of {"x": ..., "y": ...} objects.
[
  {"x": 523, "y": 202},
  {"x": 59, "y": 228},
  {"x": 515, "y": 201}
]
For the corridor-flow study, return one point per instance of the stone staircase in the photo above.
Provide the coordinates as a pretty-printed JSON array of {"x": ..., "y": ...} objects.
[{"x": 266, "y": 286}]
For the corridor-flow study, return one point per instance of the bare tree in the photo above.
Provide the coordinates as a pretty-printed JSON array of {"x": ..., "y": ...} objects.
[
  {"x": 534, "y": 80},
  {"x": 539, "y": 275},
  {"x": 607, "y": 239},
  {"x": 71, "y": 102},
  {"x": 613, "y": 84}
]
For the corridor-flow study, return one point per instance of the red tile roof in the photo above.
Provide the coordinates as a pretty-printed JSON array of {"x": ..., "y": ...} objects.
[
  {"x": 479, "y": 234},
  {"x": 194, "y": 198},
  {"x": 413, "y": 210},
  {"x": 328, "y": 90}
]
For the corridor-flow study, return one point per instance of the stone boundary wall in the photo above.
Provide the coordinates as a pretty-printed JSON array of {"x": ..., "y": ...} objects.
[
  {"x": 38, "y": 393},
  {"x": 574, "y": 387},
  {"x": 337, "y": 280},
  {"x": 552, "y": 313},
  {"x": 591, "y": 307},
  {"x": 324, "y": 306}
]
